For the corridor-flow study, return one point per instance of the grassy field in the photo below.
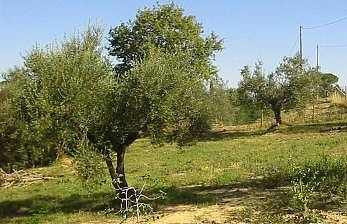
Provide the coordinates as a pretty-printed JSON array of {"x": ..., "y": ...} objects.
[{"x": 220, "y": 179}]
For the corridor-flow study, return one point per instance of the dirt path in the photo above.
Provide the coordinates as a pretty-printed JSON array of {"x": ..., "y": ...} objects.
[{"x": 235, "y": 205}]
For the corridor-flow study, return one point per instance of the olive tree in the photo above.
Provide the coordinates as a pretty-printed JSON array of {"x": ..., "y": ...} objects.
[
  {"x": 221, "y": 102},
  {"x": 168, "y": 30},
  {"x": 72, "y": 98},
  {"x": 291, "y": 84},
  {"x": 162, "y": 97},
  {"x": 328, "y": 83}
]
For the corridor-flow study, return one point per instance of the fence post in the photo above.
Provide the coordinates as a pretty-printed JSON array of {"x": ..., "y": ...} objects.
[
  {"x": 262, "y": 118},
  {"x": 313, "y": 117}
]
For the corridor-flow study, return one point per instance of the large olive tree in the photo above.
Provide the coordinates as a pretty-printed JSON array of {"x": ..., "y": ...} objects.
[{"x": 71, "y": 97}]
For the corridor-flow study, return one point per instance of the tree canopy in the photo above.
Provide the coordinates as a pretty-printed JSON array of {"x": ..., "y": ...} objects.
[{"x": 165, "y": 27}]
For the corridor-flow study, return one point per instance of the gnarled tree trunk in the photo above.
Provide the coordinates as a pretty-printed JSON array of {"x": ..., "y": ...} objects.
[
  {"x": 117, "y": 174},
  {"x": 278, "y": 117},
  {"x": 121, "y": 180},
  {"x": 276, "y": 108},
  {"x": 111, "y": 170}
]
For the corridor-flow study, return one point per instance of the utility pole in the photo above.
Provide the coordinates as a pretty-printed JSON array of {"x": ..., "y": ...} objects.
[
  {"x": 300, "y": 43},
  {"x": 317, "y": 57}
]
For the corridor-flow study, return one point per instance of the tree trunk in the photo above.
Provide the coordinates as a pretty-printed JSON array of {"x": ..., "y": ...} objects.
[
  {"x": 117, "y": 174},
  {"x": 111, "y": 170},
  {"x": 278, "y": 118},
  {"x": 120, "y": 168}
]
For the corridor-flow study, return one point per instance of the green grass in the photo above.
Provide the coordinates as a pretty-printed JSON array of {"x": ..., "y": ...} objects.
[{"x": 219, "y": 161}]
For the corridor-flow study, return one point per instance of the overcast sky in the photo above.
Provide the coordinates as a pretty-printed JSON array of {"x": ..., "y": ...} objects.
[{"x": 263, "y": 30}]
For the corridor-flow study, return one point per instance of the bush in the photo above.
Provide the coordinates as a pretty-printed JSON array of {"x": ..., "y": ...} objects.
[
  {"x": 20, "y": 145},
  {"x": 326, "y": 175},
  {"x": 89, "y": 165},
  {"x": 311, "y": 183}
]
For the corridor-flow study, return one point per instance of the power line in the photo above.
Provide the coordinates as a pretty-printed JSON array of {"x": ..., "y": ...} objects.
[
  {"x": 326, "y": 46},
  {"x": 333, "y": 45},
  {"x": 326, "y": 24},
  {"x": 316, "y": 27}
]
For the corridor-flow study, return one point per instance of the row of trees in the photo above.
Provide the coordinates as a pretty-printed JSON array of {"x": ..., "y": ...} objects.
[
  {"x": 157, "y": 79},
  {"x": 292, "y": 85}
]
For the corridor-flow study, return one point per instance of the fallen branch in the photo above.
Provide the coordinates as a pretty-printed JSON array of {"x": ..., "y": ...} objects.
[{"x": 21, "y": 177}]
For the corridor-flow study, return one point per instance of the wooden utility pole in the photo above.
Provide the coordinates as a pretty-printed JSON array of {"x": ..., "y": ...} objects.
[
  {"x": 301, "y": 43},
  {"x": 317, "y": 57}
]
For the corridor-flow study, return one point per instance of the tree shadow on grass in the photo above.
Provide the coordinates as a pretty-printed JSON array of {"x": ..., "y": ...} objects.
[
  {"x": 285, "y": 129},
  {"x": 98, "y": 202},
  {"x": 314, "y": 128},
  {"x": 42, "y": 204},
  {"x": 234, "y": 134},
  {"x": 253, "y": 194}
]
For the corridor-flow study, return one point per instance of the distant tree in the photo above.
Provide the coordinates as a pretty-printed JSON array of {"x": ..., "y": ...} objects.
[
  {"x": 328, "y": 82},
  {"x": 228, "y": 107},
  {"x": 290, "y": 85},
  {"x": 244, "y": 109},
  {"x": 165, "y": 27},
  {"x": 220, "y": 102}
]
